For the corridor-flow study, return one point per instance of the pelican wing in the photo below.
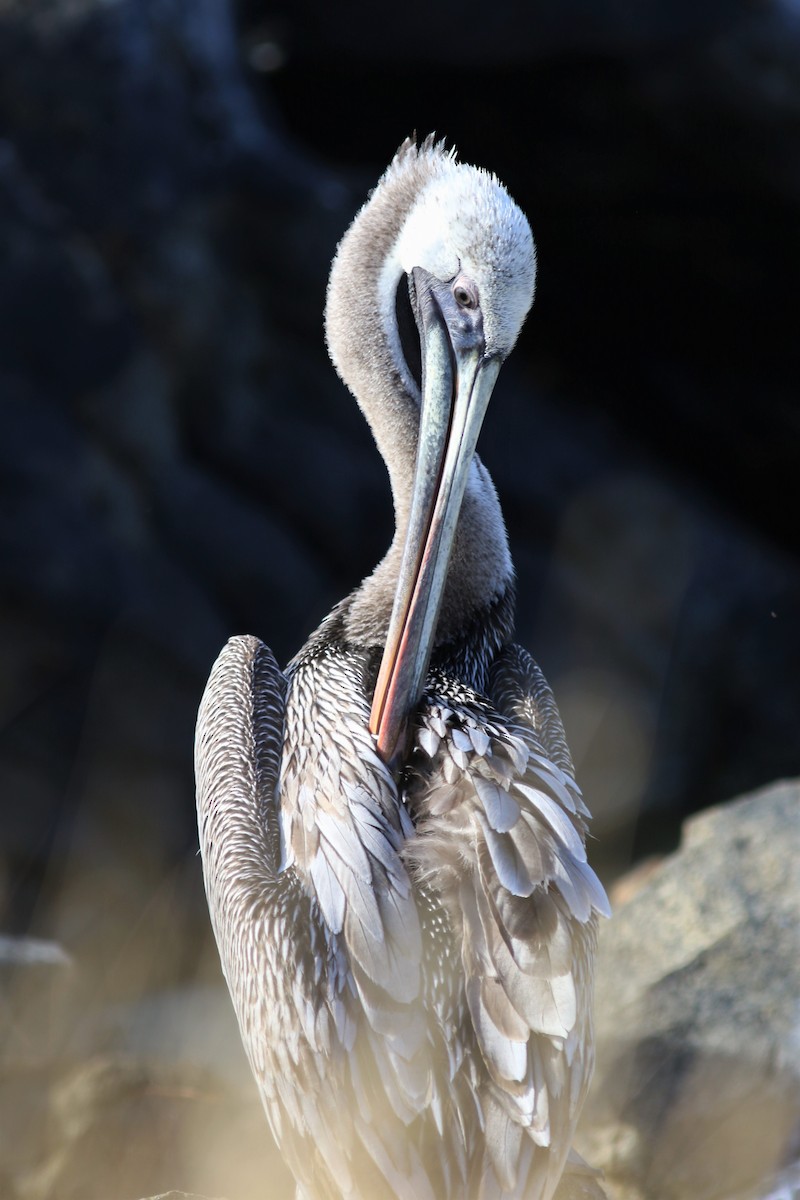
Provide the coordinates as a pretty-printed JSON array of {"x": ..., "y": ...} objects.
[
  {"x": 271, "y": 944},
  {"x": 315, "y": 917},
  {"x": 500, "y": 825},
  {"x": 253, "y": 906},
  {"x": 237, "y": 761},
  {"x": 519, "y": 689}
]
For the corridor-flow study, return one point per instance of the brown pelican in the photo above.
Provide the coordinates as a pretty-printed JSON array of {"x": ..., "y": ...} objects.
[{"x": 392, "y": 839}]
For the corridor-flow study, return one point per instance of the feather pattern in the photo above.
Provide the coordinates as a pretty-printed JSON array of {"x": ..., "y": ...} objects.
[{"x": 428, "y": 1034}]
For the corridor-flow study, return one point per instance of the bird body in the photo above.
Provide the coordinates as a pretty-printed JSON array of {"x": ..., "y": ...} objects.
[{"x": 392, "y": 838}]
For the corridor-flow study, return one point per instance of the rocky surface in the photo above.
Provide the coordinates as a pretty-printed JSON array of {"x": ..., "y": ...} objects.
[
  {"x": 697, "y": 1089},
  {"x": 118, "y": 1128},
  {"x": 99, "y": 1102},
  {"x": 33, "y": 979},
  {"x": 179, "y": 1196},
  {"x": 178, "y": 461},
  {"x": 34, "y": 976},
  {"x": 696, "y": 1094}
]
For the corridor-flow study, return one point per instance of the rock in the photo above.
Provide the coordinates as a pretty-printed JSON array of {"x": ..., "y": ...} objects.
[
  {"x": 785, "y": 1186},
  {"x": 18, "y": 952},
  {"x": 33, "y": 974},
  {"x": 120, "y": 1127},
  {"x": 180, "y": 1196},
  {"x": 580, "y": 1189},
  {"x": 697, "y": 1089},
  {"x": 456, "y": 33},
  {"x": 580, "y": 1185},
  {"x": 193, "y": 1025},
  {"x": 131, "y": 143},
  {"x": 34, "y": 977}
]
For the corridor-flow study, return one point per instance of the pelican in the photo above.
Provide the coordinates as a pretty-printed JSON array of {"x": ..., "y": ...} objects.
[{"x": 392, "y": 839}]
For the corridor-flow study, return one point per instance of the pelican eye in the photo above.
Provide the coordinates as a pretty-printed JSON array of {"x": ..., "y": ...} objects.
[{"x": 465, "y": 294}]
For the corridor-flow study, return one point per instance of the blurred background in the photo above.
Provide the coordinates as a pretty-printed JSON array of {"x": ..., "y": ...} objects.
[{"x": 179, "y": 463}]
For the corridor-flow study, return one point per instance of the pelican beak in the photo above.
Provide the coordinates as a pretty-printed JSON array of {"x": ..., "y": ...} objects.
[{"x": 457, "y": 381}]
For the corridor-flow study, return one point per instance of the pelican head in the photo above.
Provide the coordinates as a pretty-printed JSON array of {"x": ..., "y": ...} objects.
[
  {"x": 467, "y": 233},
  {"x": 428, "y": 293}
]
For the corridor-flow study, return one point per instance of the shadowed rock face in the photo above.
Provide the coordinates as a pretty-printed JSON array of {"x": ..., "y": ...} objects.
[{"x": 697, "y": 1089}]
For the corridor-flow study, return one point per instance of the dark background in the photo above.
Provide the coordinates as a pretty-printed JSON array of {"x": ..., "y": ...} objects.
[{"x": 178, "y": 461}]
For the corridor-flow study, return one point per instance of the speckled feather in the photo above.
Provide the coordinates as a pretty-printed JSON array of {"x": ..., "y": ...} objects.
[
  {"x": 421, "y": 1027},
  {"x": 409, "y": 958}
]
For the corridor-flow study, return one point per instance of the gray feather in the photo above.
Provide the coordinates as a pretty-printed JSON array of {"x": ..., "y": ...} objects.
[
  {"x": 502, "y": 810},
  {"x": 509, "y": 864},
  {"x": 556, "y": 818}
]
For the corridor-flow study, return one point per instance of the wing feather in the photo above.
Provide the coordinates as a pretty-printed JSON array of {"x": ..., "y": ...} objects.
[
  {"x": 506, "y": 846},
  {"x": 493, "y": 825}
]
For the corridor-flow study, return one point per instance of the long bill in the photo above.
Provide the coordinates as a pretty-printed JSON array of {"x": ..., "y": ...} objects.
[{"x": 457, "y": 382}]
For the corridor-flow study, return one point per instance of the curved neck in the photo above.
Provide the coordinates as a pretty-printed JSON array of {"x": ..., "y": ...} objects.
[
  {"x": 361, "y": 329},
  {"x": 364, "y": 344}
]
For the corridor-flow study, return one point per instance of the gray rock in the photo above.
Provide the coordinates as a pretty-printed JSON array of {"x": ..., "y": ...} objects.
[
  {"x": 193, "y": 1025},
  {"x": 33, "y": 976},
  {"x": 784, "y": 1186},
  {"x": 697, "y": 1089},
  {"x": 580, "y": 1185},
  {"x": 457, "y": 33},
  {"x": 16, "y": 952},
  {"x": 180, "y": 1196},
  {"x": 120, "y": 1128}
]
